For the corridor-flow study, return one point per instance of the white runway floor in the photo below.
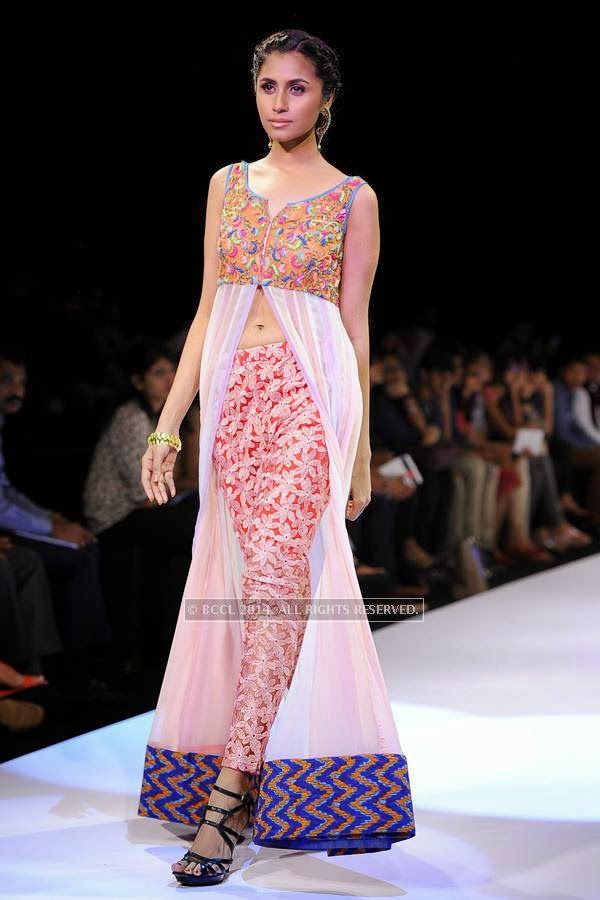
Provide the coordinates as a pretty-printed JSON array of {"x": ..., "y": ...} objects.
[{"x": 497, "y": 701}]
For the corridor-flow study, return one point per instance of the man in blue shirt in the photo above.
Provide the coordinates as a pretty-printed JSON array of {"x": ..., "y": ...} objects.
[
  {"x": 73, "y": 571},
  {"x": 582, "y": 451},
  {"x": 566, "y": 426},
  {"x": 18, "y": 512}
]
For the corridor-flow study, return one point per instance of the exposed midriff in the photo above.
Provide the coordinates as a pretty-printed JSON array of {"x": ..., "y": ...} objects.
[{"x": 261, "y": 325}]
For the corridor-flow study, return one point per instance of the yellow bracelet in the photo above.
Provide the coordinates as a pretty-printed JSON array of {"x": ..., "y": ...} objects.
[{"x": 163, "y": 437}]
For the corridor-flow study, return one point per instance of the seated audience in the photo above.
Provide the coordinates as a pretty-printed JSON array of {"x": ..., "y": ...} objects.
[
  {"x": 18, "y": 715},
  {"x": 472, "y": 427},
  {"x": 592, "y": 385},
  {"x": 72, "y": 568},
  {"x": 28, "y": 628},
  {"x": 399, "y": 426},
  {"x": 382, "y": 529},
  {"x": 581, "y": 448},
  {"x": 583, "y": 402},
  {"x": 125, "y": 522},
  {"x": 437, "y": 461},
  {"x": 521, "y": 398}
]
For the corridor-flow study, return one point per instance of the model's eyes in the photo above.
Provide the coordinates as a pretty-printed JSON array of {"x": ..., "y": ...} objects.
[{"x": 294, "y": 86}]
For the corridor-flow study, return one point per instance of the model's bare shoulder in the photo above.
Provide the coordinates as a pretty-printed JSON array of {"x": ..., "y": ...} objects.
[
  {"x": 365, "y": 197},
  {"x": 219, "y": 177},
  {"x": 217, "y": 183},
  {"x": 364, "y": 210},
  {"x": 215, "y": 201}
]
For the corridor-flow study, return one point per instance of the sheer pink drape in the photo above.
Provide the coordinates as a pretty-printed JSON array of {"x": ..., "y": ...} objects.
[{"x": 337, "y": 700}]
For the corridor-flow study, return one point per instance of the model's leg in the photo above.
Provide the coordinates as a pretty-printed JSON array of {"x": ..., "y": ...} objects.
[
  {"x": 235, "y": 453},
  {"x": 266, "y": 390},
  {"x": 291, "y": 493}
]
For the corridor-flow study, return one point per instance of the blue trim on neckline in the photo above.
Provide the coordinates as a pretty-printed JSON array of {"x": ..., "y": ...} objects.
[{"x": 292, "y": 202}]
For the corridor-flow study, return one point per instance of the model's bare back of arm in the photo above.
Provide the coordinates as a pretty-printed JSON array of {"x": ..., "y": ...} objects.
[
  {"x": 159, "y": 459},
  {"x": 361, "y": 256}
]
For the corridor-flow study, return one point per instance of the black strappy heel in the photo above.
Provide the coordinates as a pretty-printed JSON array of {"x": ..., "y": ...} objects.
[{"x": 223, "y": 864}]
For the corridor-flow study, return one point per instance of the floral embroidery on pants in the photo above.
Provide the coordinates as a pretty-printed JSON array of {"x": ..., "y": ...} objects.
[{"x": 272, "y": 465}]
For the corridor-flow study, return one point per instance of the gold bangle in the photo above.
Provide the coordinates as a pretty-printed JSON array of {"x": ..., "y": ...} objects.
[{"x": 163, "y": 437}]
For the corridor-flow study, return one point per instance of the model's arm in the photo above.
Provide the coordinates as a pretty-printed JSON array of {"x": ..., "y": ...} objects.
[
  {"x": 159, "y": 460},
  {"x": 185, "y": 383},
  {"x": 361, "y": 255}
]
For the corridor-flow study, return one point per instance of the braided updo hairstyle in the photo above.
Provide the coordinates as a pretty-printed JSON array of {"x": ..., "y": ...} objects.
[{"x": 324, "y": 59}]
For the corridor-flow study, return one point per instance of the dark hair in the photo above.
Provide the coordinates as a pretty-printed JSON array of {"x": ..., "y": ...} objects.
[
  {"x": 437, "y": 358},
  {"x": 13, "y": 351},
  {"x": 141, "y": 354},
  {"x": 323, "y": 57},
  {"x": 474, "y": 354},
  {"x": 565, "y": 357}
]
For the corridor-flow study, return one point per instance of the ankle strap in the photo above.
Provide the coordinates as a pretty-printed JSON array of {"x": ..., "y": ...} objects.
[{"x": 230, "y": 793}]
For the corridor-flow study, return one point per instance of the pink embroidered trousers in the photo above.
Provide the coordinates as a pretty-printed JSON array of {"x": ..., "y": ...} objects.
[{"x": 272, "y": 465}]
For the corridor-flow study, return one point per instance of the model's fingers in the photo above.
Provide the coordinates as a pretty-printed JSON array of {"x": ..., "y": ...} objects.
[
  {"x": 170, "y": 483},
  {"x": 156, "y": 476},
  {"x": 156, "y": 487},
  {"x": 146, "y": 477},
  {"x": 163, "y": 489}
]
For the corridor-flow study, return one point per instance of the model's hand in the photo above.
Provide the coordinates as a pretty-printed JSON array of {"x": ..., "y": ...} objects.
[{"x": 158, "y": 463}]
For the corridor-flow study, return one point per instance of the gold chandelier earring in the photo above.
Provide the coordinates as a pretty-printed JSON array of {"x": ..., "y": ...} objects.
[{"x": 321, "y": 131}]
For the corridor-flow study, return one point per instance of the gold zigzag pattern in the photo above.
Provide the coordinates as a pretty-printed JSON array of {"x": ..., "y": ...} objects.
[
  {"x": 355, "y": 789},
  {"x": 321, "y": 798}
]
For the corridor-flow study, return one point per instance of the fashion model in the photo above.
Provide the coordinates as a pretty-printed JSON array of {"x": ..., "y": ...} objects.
[{"x": 273, "y": 711}]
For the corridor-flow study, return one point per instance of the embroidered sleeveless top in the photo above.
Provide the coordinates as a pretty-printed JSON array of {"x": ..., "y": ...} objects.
[{"x": 300, "y": 248}]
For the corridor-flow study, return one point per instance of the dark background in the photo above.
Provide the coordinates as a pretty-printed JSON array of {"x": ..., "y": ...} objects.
[{"x": 474, "y": 123}]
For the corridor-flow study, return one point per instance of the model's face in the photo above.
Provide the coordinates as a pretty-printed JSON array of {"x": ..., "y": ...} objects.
[
  {"x": 288, "y": 89},
  {"x": 12, "y": 387}
]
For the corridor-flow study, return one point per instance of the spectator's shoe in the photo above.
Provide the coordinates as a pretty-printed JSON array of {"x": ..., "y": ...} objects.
[
  {"x": 570, "y": 538},
  {"x": 21, "y": 715},
  {"x": 214, "y": 869},
  {"x": 577, "y": 538},
  {"x": 528, "y": 553},
  {"x": 502, "y": 558}
]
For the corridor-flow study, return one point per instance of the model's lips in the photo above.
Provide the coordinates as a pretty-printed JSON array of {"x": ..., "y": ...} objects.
[{"x": 280, "y": 121}]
